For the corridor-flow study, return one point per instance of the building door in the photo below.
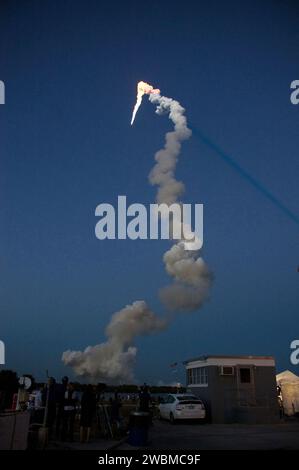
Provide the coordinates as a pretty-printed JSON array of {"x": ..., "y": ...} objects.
[{"x": 245, "y": 386}]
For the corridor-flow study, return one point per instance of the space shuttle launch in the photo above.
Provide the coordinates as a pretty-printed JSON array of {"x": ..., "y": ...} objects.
[
  {"x": 113, "y": 360},
  {"x": 143, "y": 88}
]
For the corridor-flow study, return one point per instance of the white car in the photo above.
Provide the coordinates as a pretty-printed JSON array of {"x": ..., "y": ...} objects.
[{"x": 182, "y": 406}]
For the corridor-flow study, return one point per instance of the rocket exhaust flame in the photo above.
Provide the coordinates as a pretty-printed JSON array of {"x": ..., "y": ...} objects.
[
  {"x": 143, "y": 88},
  {"x": 114, "y": 359}
]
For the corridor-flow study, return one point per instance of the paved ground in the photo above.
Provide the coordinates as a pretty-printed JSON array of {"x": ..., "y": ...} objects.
[
  {"x": 94, "y": 444},
  {"x": 164, "y": 435}
]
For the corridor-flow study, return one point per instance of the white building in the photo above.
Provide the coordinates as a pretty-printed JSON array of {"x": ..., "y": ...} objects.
[
  {"x": 238, "y": 389},
  {"x": 289, "y": 386}
]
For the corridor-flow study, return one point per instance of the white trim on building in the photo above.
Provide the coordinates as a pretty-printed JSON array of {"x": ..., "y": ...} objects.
[{"x": 231, "y": 361}]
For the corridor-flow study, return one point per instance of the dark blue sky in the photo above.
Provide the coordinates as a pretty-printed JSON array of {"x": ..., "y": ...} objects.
[{"x": 70, "y": 69}]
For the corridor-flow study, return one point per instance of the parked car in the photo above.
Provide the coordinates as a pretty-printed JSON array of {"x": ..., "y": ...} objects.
[{"x": 182, "y": 406}]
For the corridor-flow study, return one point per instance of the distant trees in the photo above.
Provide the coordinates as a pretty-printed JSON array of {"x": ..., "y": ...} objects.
[
  {"x": 133, "y": 388},
  {"x": 101, "y": 388},
  {"x": 166, "y": 389}
]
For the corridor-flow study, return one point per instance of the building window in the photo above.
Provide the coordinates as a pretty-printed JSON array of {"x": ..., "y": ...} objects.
[
  {"x": 227, "y": 370},
  {"x": 197, "y": 376},
  {"x": 245, "y": 375}
]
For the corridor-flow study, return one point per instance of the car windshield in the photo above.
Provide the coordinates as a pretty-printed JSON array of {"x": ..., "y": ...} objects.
[{"x": 187, "y": 397}]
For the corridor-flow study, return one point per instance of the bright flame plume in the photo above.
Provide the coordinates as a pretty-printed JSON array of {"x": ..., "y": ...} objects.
[{"x": 143, "y": 88}]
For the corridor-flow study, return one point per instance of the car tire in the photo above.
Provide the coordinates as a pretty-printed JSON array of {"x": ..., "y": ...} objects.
[{"x": 171, "y": 418}]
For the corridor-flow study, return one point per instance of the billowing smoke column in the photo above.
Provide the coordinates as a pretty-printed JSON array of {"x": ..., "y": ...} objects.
[
  {"x": 192, "y": 278},
  {"x": 114, "y": 359}
]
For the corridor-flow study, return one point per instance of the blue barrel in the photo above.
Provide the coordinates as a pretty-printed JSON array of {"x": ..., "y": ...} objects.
[{"x": 138, "y": 428}]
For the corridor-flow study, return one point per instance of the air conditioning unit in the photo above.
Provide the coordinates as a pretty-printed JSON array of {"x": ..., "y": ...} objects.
[{"x": 227, "y": 370}]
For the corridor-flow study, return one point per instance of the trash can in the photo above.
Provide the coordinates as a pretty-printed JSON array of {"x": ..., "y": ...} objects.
[{"x": 138, "y": 428}]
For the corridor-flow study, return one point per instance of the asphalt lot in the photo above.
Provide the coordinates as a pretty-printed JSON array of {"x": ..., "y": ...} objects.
[{"x": 164, "y": 435}]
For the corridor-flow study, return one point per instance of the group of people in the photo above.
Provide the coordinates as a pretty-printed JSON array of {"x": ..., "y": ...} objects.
[{"x": 60, "y": 403}]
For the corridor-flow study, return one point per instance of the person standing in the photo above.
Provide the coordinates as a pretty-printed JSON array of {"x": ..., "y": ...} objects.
[
  {"x": 60, "y": 393},
  {"x": 49, "y": 400},
  {"x": 69, "y": 413},
  {"x": 88, "y": 410},
  {"x": 144, "y": 398}
]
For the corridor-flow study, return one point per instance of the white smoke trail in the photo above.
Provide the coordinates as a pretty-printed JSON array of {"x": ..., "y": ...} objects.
[
  {"x": 162, "y": 175},
  {"x": 192, "y": 278},
  {"x": 114, "y": 359}
]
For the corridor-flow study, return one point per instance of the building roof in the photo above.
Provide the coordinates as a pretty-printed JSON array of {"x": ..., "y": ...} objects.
[{"x": 205, "y": 357}]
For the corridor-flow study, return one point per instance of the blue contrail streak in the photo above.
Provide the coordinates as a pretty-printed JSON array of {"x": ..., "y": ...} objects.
[{"x": 245, "y": 174}]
